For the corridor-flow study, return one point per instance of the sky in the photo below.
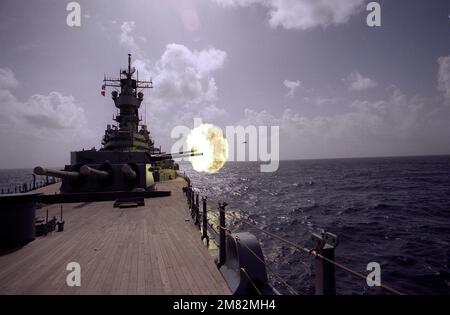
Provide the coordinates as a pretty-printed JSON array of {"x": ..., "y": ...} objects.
[{"x": 335, "y": 86}]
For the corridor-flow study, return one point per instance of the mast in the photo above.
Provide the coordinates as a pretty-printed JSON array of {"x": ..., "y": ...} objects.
[{"x": 129, "y": 63}]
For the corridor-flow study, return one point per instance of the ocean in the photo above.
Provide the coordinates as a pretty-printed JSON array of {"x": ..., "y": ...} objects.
[{"x": 394, "y": 211}]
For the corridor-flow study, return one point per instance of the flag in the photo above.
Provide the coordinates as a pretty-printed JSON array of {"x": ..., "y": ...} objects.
[{"x": 103, "y": 92}]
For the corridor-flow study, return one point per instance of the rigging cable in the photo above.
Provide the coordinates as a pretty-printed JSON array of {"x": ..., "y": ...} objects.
[
  {"x": 318, "y": 255},
  {"x": 302, "y": 249}
]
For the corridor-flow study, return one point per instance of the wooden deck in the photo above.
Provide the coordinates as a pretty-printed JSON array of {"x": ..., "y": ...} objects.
[{"x": 146, "y": 250}]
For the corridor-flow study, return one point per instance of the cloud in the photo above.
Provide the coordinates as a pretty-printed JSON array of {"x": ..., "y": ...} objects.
[
  {"x": 184, "y": 83},
  {"x": 7, "y": 79},
  {"x": 444, "y": 76},
  {"x": 321, "y": 100},
  {"x": 303, "y": 14},
  {"x": 357, "y": 82},
  {"x": 212, "y": 112},
  {"x": 38, "y": 125},
  {"x": 125, "y": 38},
  {"x": 132, "y": 43},
  {"x": 53, "y": 111},
  {"x": 292, "y": 87},
  {"x": 190, "y": 19},
  {"x": 397, "y": 125},
  {"x": 184, "y": 89},
  {"x": 184, "y": 78}
]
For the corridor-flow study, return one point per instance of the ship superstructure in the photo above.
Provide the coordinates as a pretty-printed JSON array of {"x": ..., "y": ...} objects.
[
  {"x": 128, "y": 98},
  {"x": 128, "y": 236},
  {"x": 128, "y": 159}
]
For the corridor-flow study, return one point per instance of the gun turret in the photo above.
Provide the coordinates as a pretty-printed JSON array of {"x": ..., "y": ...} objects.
[
  {"x": 55, "y": 173},
  {"x": 128, "y": 159}
]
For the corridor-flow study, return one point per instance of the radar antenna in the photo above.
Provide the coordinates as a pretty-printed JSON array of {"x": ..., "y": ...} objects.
[{"x": 116, "y": 82}]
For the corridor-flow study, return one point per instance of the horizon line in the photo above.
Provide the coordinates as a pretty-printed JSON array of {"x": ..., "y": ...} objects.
[{"x": 302, "y": 159}]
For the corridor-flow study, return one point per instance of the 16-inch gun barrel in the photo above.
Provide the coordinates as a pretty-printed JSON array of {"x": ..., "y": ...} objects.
[
  {"x": 55, "y": 173},
  {"x": 89, "y": 171},
  {"x": 169, "y": 156}
]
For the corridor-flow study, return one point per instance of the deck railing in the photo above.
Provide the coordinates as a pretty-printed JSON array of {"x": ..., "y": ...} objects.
[
  {"x": 323, "y": 251},
  {"x": 30, "y": 185}
]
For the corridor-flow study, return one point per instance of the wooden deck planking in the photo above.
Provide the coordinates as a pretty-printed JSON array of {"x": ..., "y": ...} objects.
[{"x": 144, "y": 250}]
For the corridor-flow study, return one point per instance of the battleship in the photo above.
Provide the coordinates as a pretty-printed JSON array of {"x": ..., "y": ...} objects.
[
  {"x": 126, "y": 217},
  {"x": 124, "y": 220}
]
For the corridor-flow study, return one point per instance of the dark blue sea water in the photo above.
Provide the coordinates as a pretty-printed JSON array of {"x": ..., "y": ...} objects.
[
  {"x": 394, "y": 211},
  {"x": 9, "y": 179}
]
